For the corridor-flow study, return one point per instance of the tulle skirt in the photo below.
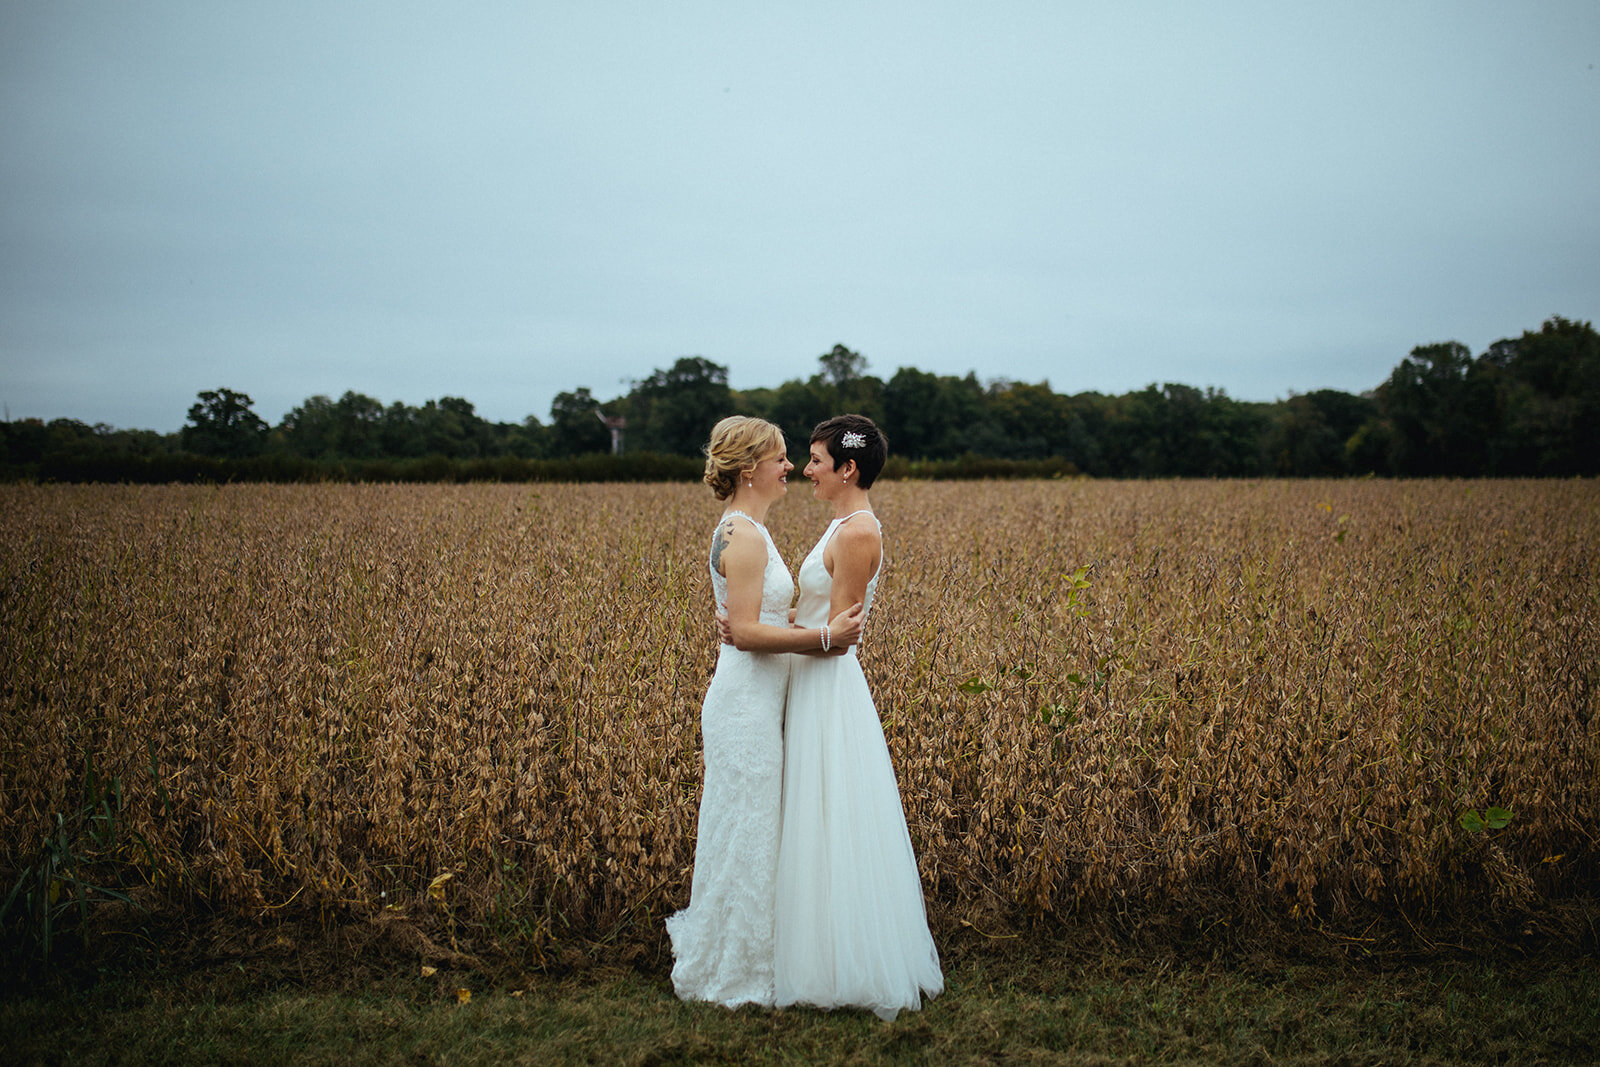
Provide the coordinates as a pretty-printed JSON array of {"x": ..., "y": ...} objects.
[{"x": 851, "y": 928}]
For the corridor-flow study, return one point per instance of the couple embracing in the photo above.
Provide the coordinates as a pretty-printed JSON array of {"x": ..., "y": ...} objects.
[{"x": 805, "y": 886}]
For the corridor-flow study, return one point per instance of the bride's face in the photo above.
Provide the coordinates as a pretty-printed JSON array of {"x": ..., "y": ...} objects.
[
  {"x": 771, "y": 476},
  {"x": 819, "y": 469}
]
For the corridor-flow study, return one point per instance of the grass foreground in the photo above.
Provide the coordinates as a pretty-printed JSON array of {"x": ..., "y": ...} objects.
[{"x": 278, "y": 994}]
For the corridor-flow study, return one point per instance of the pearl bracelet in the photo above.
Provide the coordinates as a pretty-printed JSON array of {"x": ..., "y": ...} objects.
[{"x": 825, "y": 641}]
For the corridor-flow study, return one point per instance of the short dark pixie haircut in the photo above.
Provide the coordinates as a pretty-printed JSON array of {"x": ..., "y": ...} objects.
[{"x": 869, "y": 457}]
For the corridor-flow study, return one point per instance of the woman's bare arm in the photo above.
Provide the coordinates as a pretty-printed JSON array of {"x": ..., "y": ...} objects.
[
  {"x": 855, "y": 550},
  {"x": 852, "y": 559},
  {"x": 740, "y": 554}
]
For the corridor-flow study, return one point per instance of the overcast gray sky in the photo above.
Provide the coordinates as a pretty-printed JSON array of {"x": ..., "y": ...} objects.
[{"x": 503, "y": 201}]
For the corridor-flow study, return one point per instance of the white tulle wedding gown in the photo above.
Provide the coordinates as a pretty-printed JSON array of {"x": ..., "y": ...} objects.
[
  {"x": 851, "y": 926},
  {"x": 722, "y": 943}
]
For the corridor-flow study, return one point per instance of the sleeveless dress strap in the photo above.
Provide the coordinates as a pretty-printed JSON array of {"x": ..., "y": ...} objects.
[
  {"x": 730, "y": 514},
  {"x": 760, "y": 529}
]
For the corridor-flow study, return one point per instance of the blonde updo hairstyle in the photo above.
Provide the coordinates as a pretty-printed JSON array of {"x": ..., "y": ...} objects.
[{"x": 737, "y": 444}]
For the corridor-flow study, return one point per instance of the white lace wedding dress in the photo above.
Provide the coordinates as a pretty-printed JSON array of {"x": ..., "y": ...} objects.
[
  {"x": 851, "y": 926},
  {"x": 722, "y": 942}
]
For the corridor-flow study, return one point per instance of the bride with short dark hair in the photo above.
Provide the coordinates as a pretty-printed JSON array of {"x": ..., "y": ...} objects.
[{"x": 851, "y": 924}]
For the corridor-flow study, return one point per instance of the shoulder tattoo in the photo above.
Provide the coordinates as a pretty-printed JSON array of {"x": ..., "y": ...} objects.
[{"x": 719, "y": 541}]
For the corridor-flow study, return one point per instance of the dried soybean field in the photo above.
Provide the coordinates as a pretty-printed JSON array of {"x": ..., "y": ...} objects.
[{"x": 1310, "y": 698}]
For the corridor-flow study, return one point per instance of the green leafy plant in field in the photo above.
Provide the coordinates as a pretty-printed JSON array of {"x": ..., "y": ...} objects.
[
  {"x": 1097, "y": 679},
  {"x": 1058, "y": 715},
  {"x": 53, "y": 894},
  {"x": 1341, "y": 526},
  {"x": 1475, "y": 822},
  {"x": 1075, "y": 584},
  {"x": 514, "y": 916}
]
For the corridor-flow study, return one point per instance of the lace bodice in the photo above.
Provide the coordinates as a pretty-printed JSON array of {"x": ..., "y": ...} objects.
[
  {"x": 816, "y": 584},
  {"x": 722, "y": 942},
  {"x": 777, "y": 588}
]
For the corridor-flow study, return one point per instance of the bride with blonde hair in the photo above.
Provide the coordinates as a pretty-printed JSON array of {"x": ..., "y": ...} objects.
[{"x": 722, "y": 943}]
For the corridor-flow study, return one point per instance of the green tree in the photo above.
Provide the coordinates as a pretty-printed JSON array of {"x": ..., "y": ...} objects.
[
  {"x": 1434, "y": 412},
  {"x": 23, "y": 441},
  {"x": 1085, "y": 432},
  {"x": 1547, "y": 390},
  {"x": 1300, "y": 442},
  {"x": 673, "y": 410},
  {"x": 1230, "y": 435},
  {"x": 358, "y": 426},
  {"x": 576, "y": 426},
  {"x": 841, "y": 385},
  {"x": 840, "y": 366},
  {"x": 938, "y": 417},
  {"x": 310, "y": 428},
  {"x": 1034, "y": 420},
  {"x": 1309, "y": 433},
  {"x": 451, "y": 427},
  {"x": 223, "y": 424},
  {"x": 798, "y": 406},
  {"x": 400, "y": 432},
  {"x": 1136, "y": 434},
  {"x": 529, "y": 439},
  {"x": 1178, "y": 430}
]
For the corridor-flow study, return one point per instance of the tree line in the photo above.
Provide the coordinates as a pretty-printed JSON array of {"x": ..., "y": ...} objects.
[{"x": 1528, "y": 406}]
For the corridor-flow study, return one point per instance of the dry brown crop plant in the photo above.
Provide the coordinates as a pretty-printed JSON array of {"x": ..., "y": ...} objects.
[{"x": 1306, "y": 697}]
